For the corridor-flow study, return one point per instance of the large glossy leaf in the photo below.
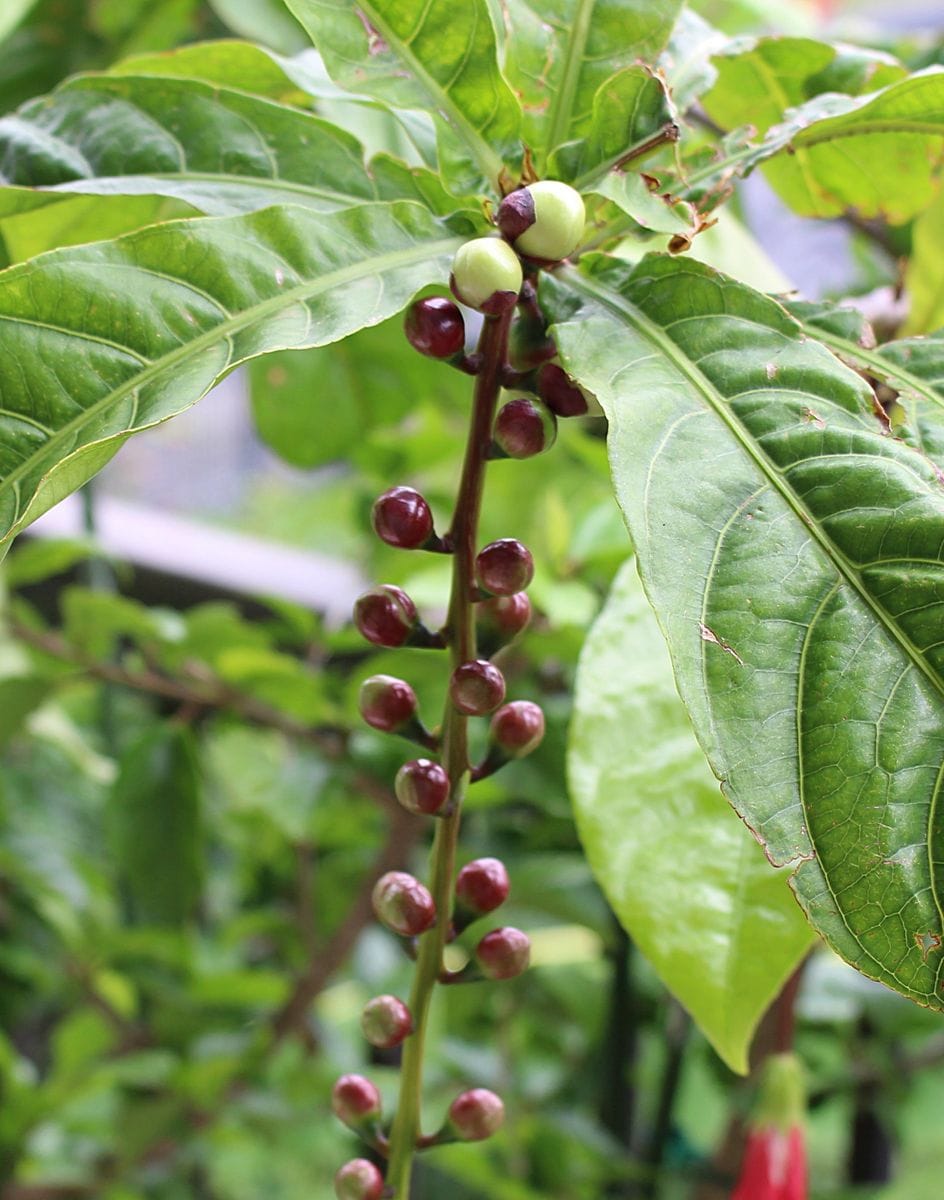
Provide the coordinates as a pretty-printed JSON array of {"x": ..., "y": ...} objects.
[
  {"x": 218, "y": 150},
  {"x": 793, "y": 554},
  {"x": 865, "y": 153},
  {"x": 687, "y": 880},
  {"x": 427, "y": 54},
  {"x": 558, "y": 55},
  {"x": 106, "y": 339}
]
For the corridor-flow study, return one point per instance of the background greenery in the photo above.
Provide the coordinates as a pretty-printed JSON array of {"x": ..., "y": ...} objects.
[{"x": 193, "y": 815}]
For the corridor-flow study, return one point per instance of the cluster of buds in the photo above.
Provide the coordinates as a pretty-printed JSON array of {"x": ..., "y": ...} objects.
[{"x": 539, "y": 225}]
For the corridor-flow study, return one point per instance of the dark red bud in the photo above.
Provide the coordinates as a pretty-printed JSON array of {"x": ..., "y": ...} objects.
[
  {"x": 503, "y": 953},
  {"x": 403, "y": 904},
  {"x": 477, "y": 688},
  {"x": 422, "y": 786},
  {"x": 387, "y": 703},
  {"x": 435, "y": 327},
  {"x": 482, "y": 886},
  {"x": 524, "y": 427},
  {"x": 476, "y": 1115},
  {"x": 518, "y": 727},
  {"x": 516, "y": 213},
  {"x": 355, "y": 1100},
  {"x": 504, "y": 616},
  {"x": 358, "y": 1179},
  {"x": 401, "y": 518},
  {"x": 504, "y": 567},
  {"x": 385, "y": 615},
  {"x": 386, "y": 1022},
  {"x": 559, "y": 392}
]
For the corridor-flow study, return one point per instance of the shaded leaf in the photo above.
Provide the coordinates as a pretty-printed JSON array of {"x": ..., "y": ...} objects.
[
  {"x": 266, "y": 21},
  {"x": 13, "y": 13},
  {"x": 924, "y": 274},
  {"x": 154, "y": 821},
  {"x": 433, "y": 55},
  {"x": 689, "y": 883},
  {"x": 110, "y": 338},
  {"x": 797, "y": 575}
]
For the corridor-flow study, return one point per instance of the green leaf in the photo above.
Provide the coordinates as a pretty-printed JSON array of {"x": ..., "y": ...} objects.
[
  {"x": 924, "y": 275},
  {"x": 868, "y": 153},
  {"x": 19, "y": 696},
  {"x": 13, "y": 13},
  {"x": 220, "y": 151},
  {"x": 265, "y": 21},
  {"x": 913, "y": 367},
  {"x": 107, "y": 339},
  {"x": 434, "y": 55},
  {"x": 689, "y": 883},
  {"x": 154, "y": 824},
  {"x": 558, "y": 56},
  {"x": 793, "y": 554}
]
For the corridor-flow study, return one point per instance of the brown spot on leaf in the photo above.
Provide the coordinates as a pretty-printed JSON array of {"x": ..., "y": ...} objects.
[{"x": 709, "y": 635}]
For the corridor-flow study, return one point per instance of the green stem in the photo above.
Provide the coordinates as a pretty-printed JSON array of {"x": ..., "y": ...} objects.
[{"x": 460, "y": 631}]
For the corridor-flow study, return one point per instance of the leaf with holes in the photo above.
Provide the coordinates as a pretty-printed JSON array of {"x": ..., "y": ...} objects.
[
  {"x": 107, "y": 339},
  {"x": 689, "y": 883},
  {"x": 797, "y": 571}
]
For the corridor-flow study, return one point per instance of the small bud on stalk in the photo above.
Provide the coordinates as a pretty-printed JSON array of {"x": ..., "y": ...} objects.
[
  {"x": 387, "y": 617},
  {"x": 544, "y": 220},
  {"x": 481, "y": 887},
  {"x": 358, "y": 1180},
  {"x": 503, "y": 953},
  {"x": 475, "y": 1115},
  {"x": 502, "y": 618},
  {"x": 559, "y": 392},
  {"x": 524, "y": 427},
  {"x": 387, "y": 703},
  {"x": 487, "y": 276},
  {"x": 504, "y": 567},
  {"x": 517, "y": 728},
  {"x": 401, "y": 518},
  {"x": 403, "y": 904},
  {"x": 386, "y": 1022},
  {"x": 422, "y": 787},
  {"x": 435, "y": 327},
  {"x": 477, "y": 688},
  {"x": 355, "y": 1101}
]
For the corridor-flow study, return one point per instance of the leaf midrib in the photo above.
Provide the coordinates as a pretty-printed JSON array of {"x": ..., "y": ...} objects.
[
  {"x": 661, "y": 340},
  {"x": 490, "y": 162},
  {"x": 221, "y": 332},
  {"x": 563, "y": 105},
  {"x": 810, "y": 137}
]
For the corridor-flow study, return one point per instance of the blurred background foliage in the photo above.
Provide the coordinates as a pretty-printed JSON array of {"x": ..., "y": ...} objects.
[{"x": 192, "y": 814}]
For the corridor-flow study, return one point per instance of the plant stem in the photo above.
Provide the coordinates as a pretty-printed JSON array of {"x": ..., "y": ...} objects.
[{"x": 460, "y": 634}]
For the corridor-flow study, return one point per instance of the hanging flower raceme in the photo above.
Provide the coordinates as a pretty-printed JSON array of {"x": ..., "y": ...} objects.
[{"x": 775, "y": 1159}]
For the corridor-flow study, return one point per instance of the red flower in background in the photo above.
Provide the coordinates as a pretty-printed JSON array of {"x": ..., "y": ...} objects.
[{"x": 774, "y": 1165}]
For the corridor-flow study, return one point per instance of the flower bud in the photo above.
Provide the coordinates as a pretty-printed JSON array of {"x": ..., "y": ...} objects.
[
  {"x": 486, "y": 275},
  {"x": 358, "y": 1179},
  {"x": 503, "y": 953},
  {"x": 386, "y": 616},
  {"x": 401, "y": 518},
  {"x": 517, "y": 728},
  {"x": 504, "y": 617},
  {"x": 774, "y": 1166},
  {"x": 476, "y": 1115},
  {"x": 422, "y": 787},
  {"x": 435, "y": 327},
  {"x": 524, "y": 427},
  {"x": 386, "y": 1022},
  {"x": 504, "y": 567},
  {"x": 387, "y": 703},
  {"x": 557, "y": 216},
  {"x": 355, "y": 1101},
  {"x": 481, "y": 887},
  {"x": 402, "y": 904},
  {"x": 477, "y": 688},
  {"x": 559, "y": 392}
]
